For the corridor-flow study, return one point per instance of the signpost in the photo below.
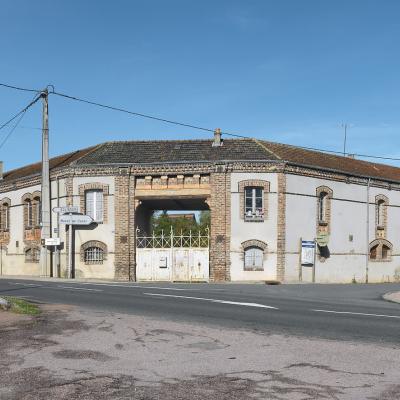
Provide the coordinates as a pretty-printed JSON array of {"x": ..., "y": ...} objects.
[
  {"x": 52, "y": 241},
  {"x": 71, "y": 220},
  {"x": 307, "y": 256},
  {"x": 66, "y": 210},
  {"x": 75, "y": 219}
]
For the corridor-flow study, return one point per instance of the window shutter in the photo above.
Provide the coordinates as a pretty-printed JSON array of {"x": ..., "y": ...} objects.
[
  {"x": 99, "y": 206},
  {"x": 248, "y": 258},
  {"x": 90, "y": 203}
]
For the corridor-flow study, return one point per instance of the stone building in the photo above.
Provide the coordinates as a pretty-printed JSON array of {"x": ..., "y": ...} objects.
[{"x": 263, "y": 198}]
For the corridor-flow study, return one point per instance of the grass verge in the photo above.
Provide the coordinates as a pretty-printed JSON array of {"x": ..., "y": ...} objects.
[{"x": 20, "y": 306}]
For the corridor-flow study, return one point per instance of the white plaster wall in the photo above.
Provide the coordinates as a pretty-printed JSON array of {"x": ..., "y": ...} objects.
[
  {"x": 265, "y": 231},
  {"x": 103, "y": 232},
  {"x": 13, "y": 263},
  {"x": 348, "y": 217}
]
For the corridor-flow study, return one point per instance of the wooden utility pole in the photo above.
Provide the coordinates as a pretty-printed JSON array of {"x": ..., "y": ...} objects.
[{"x": 45, "y": 231}]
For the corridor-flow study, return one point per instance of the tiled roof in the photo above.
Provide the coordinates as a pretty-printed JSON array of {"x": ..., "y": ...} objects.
[
  {"x": 55, "y": 162},
  {"x": 192, "y": 151},
  {"x": 168, "y": 151}
]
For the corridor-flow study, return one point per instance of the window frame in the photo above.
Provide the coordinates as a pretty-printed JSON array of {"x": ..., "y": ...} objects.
[
  {"x": 255, "y": 212},
  {"x": 256, "y": 255},
  {"x": 5, "y": 216},
  {"x": 376, "y": 247},
  {"x": 97, "y": 254},
  {"x": 34, "y": 256},
  {"x": 97, "y": 215}
]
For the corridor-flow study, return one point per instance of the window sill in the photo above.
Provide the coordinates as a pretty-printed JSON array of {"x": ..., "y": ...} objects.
[
  {"x": 254, "y": 219},
  {"x": 248, "y": 269}
]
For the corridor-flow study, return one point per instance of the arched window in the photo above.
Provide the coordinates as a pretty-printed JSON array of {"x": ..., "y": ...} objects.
[
  {"x": 381, "y": 203},
  {"x": 324, "y": 196},
  {"x": 253, "y": 258},
  {"x": 380, "y": 250},
  {"x": 254, "y": 252},
  {"x": 4, "y": 216},
  {"x": 32, "y": 255},
  {"x": 36, "y": 211},
  {"x": 94, "y": 255},
  {"x": 322, "y": 203},
  {"x": 29, "y": 213}
]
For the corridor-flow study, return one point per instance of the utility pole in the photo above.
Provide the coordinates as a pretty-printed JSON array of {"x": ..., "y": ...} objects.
[{"x": 45, "y": 190}]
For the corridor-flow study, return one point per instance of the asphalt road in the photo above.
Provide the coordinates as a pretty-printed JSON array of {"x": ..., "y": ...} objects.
[{"x": 338, "y": 312}]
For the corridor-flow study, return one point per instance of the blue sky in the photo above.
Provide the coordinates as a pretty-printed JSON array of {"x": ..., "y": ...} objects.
[{"x": 288, "y": 71}]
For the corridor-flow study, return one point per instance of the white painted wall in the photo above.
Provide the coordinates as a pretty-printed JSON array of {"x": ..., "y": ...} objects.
[
  {"x": 13, "y": 263},
  {"x": 348, "y": 217},
  {"x": 265, "y": 231}
]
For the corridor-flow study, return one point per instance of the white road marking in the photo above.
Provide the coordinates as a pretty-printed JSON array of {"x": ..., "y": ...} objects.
[
  {"x": 358, "y": 313},
  {"x": 213, "y": 300},
  {"x": 145, "y": 286},
  {"x": 25, "y": 284},
  {"x": 79, "y": 288}
]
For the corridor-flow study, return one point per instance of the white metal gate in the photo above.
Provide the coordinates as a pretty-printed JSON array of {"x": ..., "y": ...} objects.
[{"x": 175, "y": 258}]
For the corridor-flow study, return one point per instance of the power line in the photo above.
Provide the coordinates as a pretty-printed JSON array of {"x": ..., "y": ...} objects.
[
  {"x": 113, "y": 108},
  {"x": 12, "y": 130},
  {"x": 132, "y": 112},
  {"x": 19, "y": 88},
  {"x": 20, "y": 112},
  {"x": 208, "y": 129}
]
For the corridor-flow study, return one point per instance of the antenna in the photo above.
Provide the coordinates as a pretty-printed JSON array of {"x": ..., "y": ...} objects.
[{"x": 344, "y": 126}]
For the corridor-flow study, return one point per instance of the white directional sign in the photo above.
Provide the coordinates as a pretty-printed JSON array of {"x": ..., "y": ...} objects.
[
  {"x": 66, "y": 210},
  {"x": 75, "y": 219},
  {"x": 52, "y": 241}
]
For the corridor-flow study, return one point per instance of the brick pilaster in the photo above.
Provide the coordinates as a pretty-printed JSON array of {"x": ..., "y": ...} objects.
[
  {"x": 220, "y": 226},
  {"x": 124, "y": 226},
  {"x": 281, "y": 228},
  {"x": 69, "y": 191}
]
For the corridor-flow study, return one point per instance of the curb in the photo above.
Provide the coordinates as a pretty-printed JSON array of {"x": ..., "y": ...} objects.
[{"x": 394, "y": 297}]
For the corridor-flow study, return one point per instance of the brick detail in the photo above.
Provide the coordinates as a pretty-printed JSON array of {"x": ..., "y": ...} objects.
[
  {"x": 124, "y": 200},
  {"x": 281, "y": 228},
  {"x": 32, "y": 231},
  {"x": 5, "y": 204},
  {"x": 379, "y": 243},
  {"x": 220, "y": 226},
  {"x": 254, "y": 243},
  {"x": 93, "y": 243},
  {"x": 254, "y": 183},
  {"x": 325, "y": 225},
  {"x": 69, "y": 191},
  {"x": 94, "y": 186},
  {"x": 381, "y": 226}
]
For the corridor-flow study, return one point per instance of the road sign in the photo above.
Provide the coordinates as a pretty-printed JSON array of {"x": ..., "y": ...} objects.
[
  {"x": 307, "y": 253},
  {"x": 66, "y": 210},
  {"x": 52, "y": 241},
  {"x": 72, "y": 219}
]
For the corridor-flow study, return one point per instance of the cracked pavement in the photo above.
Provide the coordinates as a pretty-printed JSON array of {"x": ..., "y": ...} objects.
[{"x": 74, "y": 353}]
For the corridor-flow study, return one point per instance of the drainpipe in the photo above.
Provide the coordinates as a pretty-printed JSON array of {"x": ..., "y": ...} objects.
[{"x": 367, "y": 234}]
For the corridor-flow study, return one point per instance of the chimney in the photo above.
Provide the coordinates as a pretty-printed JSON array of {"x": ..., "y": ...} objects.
[
  {"x": 1, "y": 170},
  {"x": 217, "y": 138}
]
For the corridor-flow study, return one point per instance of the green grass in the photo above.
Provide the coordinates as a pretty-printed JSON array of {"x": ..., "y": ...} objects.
[{"x": 20, "y": 306}]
